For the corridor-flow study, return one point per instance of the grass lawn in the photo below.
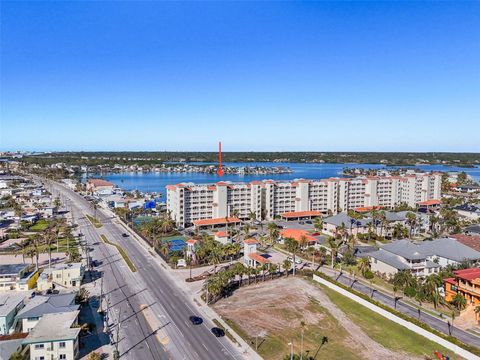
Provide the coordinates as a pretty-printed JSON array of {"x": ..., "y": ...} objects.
[
  {"x": 40, "y": 225},
  {"x": 382, "y": 330},
  {"x": 122, "y": 252},
  {"x": 94, "y": 221}
]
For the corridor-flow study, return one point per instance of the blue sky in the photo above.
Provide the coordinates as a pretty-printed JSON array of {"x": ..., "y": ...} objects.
[{"x": 326, "y": 76}]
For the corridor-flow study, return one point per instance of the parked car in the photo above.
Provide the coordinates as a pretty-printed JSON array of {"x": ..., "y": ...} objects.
[
  {"x": 297, "y": 259},
  {"x": 125, "y": 235}
]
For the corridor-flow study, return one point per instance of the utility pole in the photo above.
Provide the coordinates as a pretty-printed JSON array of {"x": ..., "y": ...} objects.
[{"x": 100, "y": 308}]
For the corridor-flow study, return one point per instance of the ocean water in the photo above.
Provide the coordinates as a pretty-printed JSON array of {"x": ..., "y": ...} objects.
[{"x": 156, "y": 182}]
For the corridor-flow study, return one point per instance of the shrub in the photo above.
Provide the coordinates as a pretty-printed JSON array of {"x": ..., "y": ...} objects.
[
  {"x": 368, "y": 275},
  {"x": 410, "y": 291}
]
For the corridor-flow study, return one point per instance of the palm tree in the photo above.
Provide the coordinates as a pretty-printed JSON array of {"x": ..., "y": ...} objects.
[
  {"x": 49, "y": 235},
  {"x": 252, "y": 216},
  {"x": 411, "y": 221},
  {"x": 459, "y": 302},
  {"x": 286, "y": 265},
  {"x": 363, "y": 265},
  {"x": 334, "y": 246},
  {"x": 246, "y": 231},
  {"x": 318, "y": 223},
  {"x": 292, "y": 246},
  {"x": 273, "y": 269},
  {"x": 477, "y": 311},
  {"x": 273, "y": 232}
]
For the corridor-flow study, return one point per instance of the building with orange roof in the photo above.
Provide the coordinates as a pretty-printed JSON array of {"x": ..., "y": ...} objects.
[
  {"x": 99, "y": 187},
  {"x": 222, "y": 237},
  {"x": 465, "y": 282},
  {"x": 251, "y": 257},
  {"x": 300, "y": 198},
  {"x": 298, "y": 235}
]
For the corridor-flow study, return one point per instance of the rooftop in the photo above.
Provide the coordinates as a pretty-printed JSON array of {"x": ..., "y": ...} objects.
[
  {"x": 49, "y": 304},
  {"x": 54, "y": 327},
  {"x": 8, "y": 302},
  {"x": 216, "y": 221},
  {"x": 12, "y": 269},
  {"x": 430, "y": 202},
  {"x": 297, "y": 234},
  {"x": 99, "y": 182},
  {"x": 297, "y": 214},
  {"x": 258, "y": 258}
]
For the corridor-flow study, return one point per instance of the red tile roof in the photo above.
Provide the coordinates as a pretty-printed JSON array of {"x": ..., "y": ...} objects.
[
  {"x": 216, "y": 221},
  {"x": 192, "y": 241},
  {"x": 258, "y": 258},
  {"x": 467, "y": 240},
  {"x": 221, "y": 234},
  {"x": 430, "y": 202},
  {"x": 368, "y": 208},
  {"x": 296, "y": 214},
  {"x": 99, "y": 182},
  {"x": 468, "y": 274},
  {"x": 250, "y": 241},
  {"x": 296, "y": 234}
]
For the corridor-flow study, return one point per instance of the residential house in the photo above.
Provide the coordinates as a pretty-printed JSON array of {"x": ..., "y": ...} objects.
[
  {"x": 16, "y": 277},
  {"x": 472, "y": 241},
  {"x": 471, "y": 212},
  {"x": 298, "y": 235},
  {"x": 100, "y": 187},
  {"x": 352, "y": 226},
  {"x": 10, "y": 304},
  {"x": 251, "y": 257},
  {"x": 39, "y": 306},
  {"x": 222, "y": 237},
  {"x": 61, "y": 275},
  {"x": 467, "y": 189},
  {"x": 55, "y": 337},
  {"x": 192, "y": 245},
  {"x": 465, "y": 282},
  {"x": 421, "y": 259}
]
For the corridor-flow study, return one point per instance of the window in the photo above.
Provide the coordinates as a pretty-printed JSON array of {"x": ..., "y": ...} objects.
[
  {"x": 39, "y": 358},
  {"x": 33, "y": 318},
  {"x": 39, "y": 346},
  {"x": 63, "y": 356},
  {"x": 61, "y": 345}
]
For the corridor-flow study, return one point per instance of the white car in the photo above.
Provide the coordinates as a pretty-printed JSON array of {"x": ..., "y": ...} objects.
[{"x": 298, "y": 261}]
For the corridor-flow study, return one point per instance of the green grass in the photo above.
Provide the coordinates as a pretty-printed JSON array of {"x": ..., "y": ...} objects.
[
  {"x": 40, "y": 225},
  {"x": 122, "y": 252},
  {"x": 95, "y": 222},
  {"x": 391, "y": 335}
]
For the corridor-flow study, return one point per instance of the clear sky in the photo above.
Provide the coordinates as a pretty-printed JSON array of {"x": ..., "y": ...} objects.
[{"x": 266, "y": 76}]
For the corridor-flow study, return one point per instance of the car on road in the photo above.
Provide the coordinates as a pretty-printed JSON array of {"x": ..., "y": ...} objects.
[
  {"x": 218, "y": 332},
  {"x": 297, "y": 259},
  {"x": 196, "y": 320},
  {"x": 125, "y": 235},
  {"x": 308, "y": 222}
]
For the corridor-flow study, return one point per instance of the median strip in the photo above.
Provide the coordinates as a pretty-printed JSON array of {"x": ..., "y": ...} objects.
[
  {"x": 94, "y": 221},
  {"x": 122, "y": 252}
]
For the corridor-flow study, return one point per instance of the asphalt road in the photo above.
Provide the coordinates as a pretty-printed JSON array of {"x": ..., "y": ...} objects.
[
  {"x": 153, "y": 311},
  {"x": 407, "y": 309}
]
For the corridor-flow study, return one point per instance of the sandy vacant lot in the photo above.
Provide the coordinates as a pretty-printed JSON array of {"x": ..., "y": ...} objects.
[{"x": 274, "y": 310}]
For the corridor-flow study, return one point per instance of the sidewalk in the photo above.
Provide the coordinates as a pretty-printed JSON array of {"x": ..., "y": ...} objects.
[{"x": 188, "y": 291}]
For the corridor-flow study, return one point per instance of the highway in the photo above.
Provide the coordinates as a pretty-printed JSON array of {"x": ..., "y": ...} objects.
[{"x": 152, "y": 310}]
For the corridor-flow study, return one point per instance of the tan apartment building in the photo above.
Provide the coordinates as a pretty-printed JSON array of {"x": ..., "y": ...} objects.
[{"x": 189, "y": 202}]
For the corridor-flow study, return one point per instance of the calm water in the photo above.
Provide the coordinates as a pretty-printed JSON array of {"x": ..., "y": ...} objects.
[{"x": 157, "y": 181}]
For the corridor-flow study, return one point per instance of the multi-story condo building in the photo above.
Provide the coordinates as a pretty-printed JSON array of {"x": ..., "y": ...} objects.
[{"x": 189, "y": 203}]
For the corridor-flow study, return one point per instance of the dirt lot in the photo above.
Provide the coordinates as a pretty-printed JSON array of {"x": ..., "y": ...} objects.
[{"x": 273, "y": 312}]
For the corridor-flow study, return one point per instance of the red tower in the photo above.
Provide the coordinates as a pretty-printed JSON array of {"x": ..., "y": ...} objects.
[{"x": 220, "y": 169}]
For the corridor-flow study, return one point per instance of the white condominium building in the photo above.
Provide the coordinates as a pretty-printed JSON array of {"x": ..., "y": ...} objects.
[{"x": 190, "y": 203}]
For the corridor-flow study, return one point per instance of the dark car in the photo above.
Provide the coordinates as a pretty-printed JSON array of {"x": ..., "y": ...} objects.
[
  {"x": 308, "y": 222},
  {"x": 125, "y": 235},
  {"x": 218, "y": 332},
  {"x": 195, "y": 320}
]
